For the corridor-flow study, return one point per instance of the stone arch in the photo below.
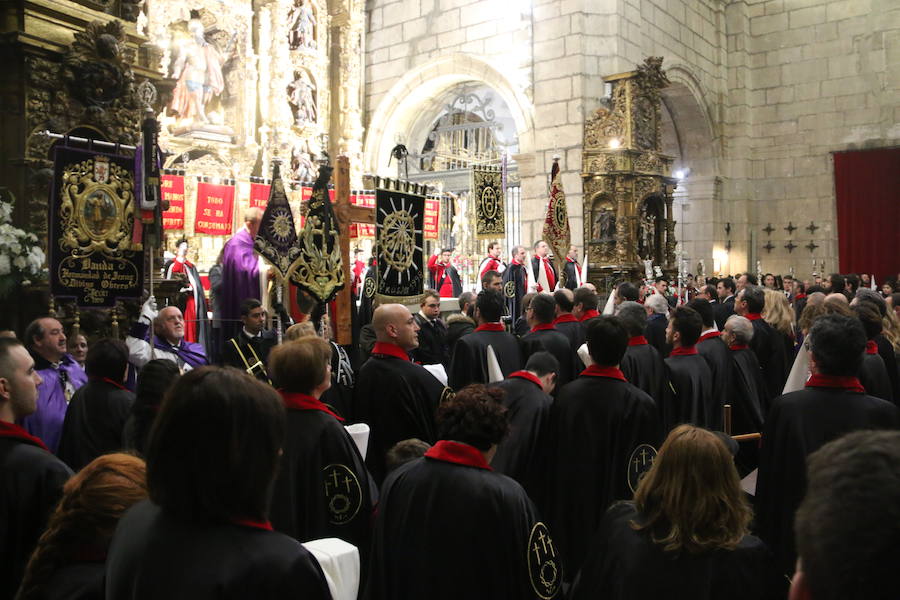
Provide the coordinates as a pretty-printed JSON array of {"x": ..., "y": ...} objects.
[
  {"x": 695, "y": 133},
  {"x": 401, "y": 107}
]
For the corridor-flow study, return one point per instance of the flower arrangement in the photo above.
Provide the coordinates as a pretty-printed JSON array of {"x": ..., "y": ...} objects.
[{"x": 21, "y": 257}]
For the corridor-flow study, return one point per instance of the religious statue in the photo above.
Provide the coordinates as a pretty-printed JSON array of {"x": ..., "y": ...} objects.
[
  {"x": 302, "y": 26},
  {"x": 302, "y": 166},
  {"x": 605, "y": 225},
  {"x": 300, "y": 96},
  {"x": 198, "y": 69}
]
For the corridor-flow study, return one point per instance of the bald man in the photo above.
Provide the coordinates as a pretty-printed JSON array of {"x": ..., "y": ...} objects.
[
  {"x": 396, "y": 397},
  {"x": 240, "y": 273},
  {"x": 167, "y": 341}
]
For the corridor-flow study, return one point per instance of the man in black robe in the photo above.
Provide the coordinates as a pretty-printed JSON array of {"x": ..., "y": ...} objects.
[
  {"x": 798, "y": 424},
  {"x": 884, "y": 347},
  {"x": 470, "y": 362},
  {"x": 598, "y": 424},
  {"x": 766, "y": 343},
  {"x": 642, "y": 364},
  {"x": 323, "y": 488},
  {"x": 396, "y": 397},
  {"x": 873, "y": 373},
  {"x": 249, "y": 349},
  {"x": 565, "y": 322},
  {"x": 585, "y": 305},
  {"x": 657, "y": 309},
  {"x": 31, "y": 479},
  {"x": 690, "y": 397},
  {"x": 449, "y": 527},
  {"x": 713, "y": 349},
  {"x": 522, "y": 453},
  {"x": 515, "y": 283},
  {"x": 746, "y": 391},
  {"x": 725, "y": 307},
  {"x": 432, "y": 348},
  {"x": 544, "y": 337},
  {"x": 572, "y": 270},
  {"x": 99, "y": 409},
  {"x": 543, "y": 269}
]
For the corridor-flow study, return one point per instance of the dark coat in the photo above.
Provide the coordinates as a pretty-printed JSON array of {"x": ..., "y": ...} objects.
[
  {"x": 94, "y": 423},
  {"x": 655, "y": 332}
]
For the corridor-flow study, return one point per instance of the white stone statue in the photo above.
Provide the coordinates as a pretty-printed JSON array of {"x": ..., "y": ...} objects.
[{"x": 198, "y": 69}]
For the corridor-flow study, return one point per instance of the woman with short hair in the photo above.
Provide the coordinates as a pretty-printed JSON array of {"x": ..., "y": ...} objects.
[
  {"x": 204, "y": 533},
  {"x": 685, "y": 535},
  {"x": 68, "y": 561}
]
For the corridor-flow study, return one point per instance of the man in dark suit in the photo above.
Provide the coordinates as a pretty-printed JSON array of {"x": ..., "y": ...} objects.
[
  {"x": 249, "y": 349},
  {"x": 432, "y": 349},
  {"x": 725, "y": 307},
  {"x": 545, "y": 337}
]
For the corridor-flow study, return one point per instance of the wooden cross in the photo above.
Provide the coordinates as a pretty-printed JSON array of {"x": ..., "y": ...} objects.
[{"x": 346, "y": 214}]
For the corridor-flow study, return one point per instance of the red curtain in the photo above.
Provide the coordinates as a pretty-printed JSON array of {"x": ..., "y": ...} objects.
[{"x": 867, "y": 188}]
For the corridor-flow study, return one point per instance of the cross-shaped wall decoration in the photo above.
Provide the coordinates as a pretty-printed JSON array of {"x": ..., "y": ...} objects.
[
  {"x": 811, "y": 246},
  {"x": 811, "y": 228},
  {"x": 769, "y": 245},
  {"x": 790, "y": 228},
  {"x": 768, "y": 229},
  {"x": 728, "y": 228},
  {"x": 790, "y": 246},
  {"x": 728, "y": 245}
]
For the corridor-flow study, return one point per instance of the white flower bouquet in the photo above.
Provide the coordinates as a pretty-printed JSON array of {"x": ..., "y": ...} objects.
[{"x": 21, "y": 257}]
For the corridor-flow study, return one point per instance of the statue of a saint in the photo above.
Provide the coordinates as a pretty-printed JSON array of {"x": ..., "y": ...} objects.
[
  {"x": 300, "y": 97},
  {"x": 199, "y": 72},
  {"x": 302, "y": 26},
  {"x": 605, "y": 225}
]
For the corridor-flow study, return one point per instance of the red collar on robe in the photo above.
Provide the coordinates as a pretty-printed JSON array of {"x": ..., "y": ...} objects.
[
  {"x": 543, "y": 327},
  {"x": 571, "y": 260},
  {"x": 389, "y": 349},
  {"x": 637, "y": 340},
  {"x": 529, "y": 376},
  {"x": 490, "y": 327},
  {"x": 515, "y": 262},
  {"x": 736, "y": 347},
  {"x": 590, "y": 314},
  {"x": 683, "y": 351},
  {"x": 548, "y": 269},
  {"x": 110, "y": 382},
  {"x": 849, "y": 383},
  {"x": 753, "y": 316},
  {"x": 709, "y": 335},
  {"x": 265, "y": 525},
  {"x": 598, "y": 371},
  {"x": 565, "y": 318},
  {"x": 458, "y": 453},
  {"x": 298, "y": 401},
  {"x": 871, "y": 347},
  {"x": 800, "y": 296},
  {"x": 13, "y": 431}
]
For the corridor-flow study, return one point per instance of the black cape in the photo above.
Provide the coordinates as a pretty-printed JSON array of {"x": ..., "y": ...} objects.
[
  {"x": 718, "y": 357},
  {"x": 644, "y": 367},
  {"x": 535, "y": 270},
  {"x": 521, "y": 455},
  {"x": 515, "y": 287},
  {"x": 873, "y": 375},
  {"x": 339, "y": 397},
  {"x": 154, "y": 555},
  {"x": 557, "y": 344},
  {"x": 624, "y": 564},
  {"x": 655, "y": 332},
  {"x": 571, "y": 276},
  {"x": 323, "y": 488},
  {"x": 75, "y": 581},
  {"x": 432, "y": 348},
  {"x": 769, "y": 346},
  {"x": 573, "y": 330},
  {"x": 31, "y": 481},
  {"x": 260, "y": 345},
  {"x": 749, "y": 399},
  {"x": 723, "y": 310},
  {"x": 469, "y": 364},
  {"x": 397, "y": 399},
  {"x": 886, "y": 351},
  {"x": 447, "y": 531},
  {"x": 689, "y": 398},
  {"x": 597, "y": 424},
  {"x": 94, "y": 423},
  {"x": 798, "y": 424}
]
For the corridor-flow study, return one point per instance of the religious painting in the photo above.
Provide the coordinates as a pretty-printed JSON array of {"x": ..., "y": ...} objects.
[
  {"x": 399, "y": 221},
  {"x": 487, "y": 191}
]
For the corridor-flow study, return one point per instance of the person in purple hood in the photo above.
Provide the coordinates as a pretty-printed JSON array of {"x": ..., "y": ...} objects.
[
  {"x": 61, "y": 376},
  {"x": 240, "y": 273},
  {"x": 167, "y": 341}
]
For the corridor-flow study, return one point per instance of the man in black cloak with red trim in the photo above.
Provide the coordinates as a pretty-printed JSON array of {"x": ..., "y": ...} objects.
[{"x": 690, "y": 398}]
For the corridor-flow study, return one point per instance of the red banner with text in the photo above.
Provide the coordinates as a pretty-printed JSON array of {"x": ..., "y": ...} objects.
[
  {"x": 362, "y": 230},
  {"x": 432, "y": 218},
  {"x": 215, "y": 205},
  {"x": 259, "y": 195},
  {"x": 172, "y": 187}
]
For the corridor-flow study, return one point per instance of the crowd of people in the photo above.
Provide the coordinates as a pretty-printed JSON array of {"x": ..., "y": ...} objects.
[{"x": 718, "y": 441}]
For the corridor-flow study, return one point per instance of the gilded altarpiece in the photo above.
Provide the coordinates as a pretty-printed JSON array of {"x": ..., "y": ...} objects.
[{"x": 627, "y": 180}]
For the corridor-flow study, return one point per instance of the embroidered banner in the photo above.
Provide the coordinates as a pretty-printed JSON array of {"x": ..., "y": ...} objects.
[
  {"x": 399, "y": 241},
  {"x": 259, "y": 195},
  {"x": 487, "y": 195},
  {"x": 556, "y": 225},
  {"x": 92, "y": 218},
  {"x": 173, "y": 191},
  {"x": 276, "y": 240},
  {"x": 432, "y": 218},
  {"x": 215, "y": 205}
]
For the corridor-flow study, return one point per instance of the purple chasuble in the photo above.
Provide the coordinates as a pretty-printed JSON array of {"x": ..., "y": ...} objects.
[
  {"x": 47, "y": 420},
  {"x": 240, "y": 277}
]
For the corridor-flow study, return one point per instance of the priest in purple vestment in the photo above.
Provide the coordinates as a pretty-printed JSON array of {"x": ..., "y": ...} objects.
[{"x": 240, "y": 272}]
